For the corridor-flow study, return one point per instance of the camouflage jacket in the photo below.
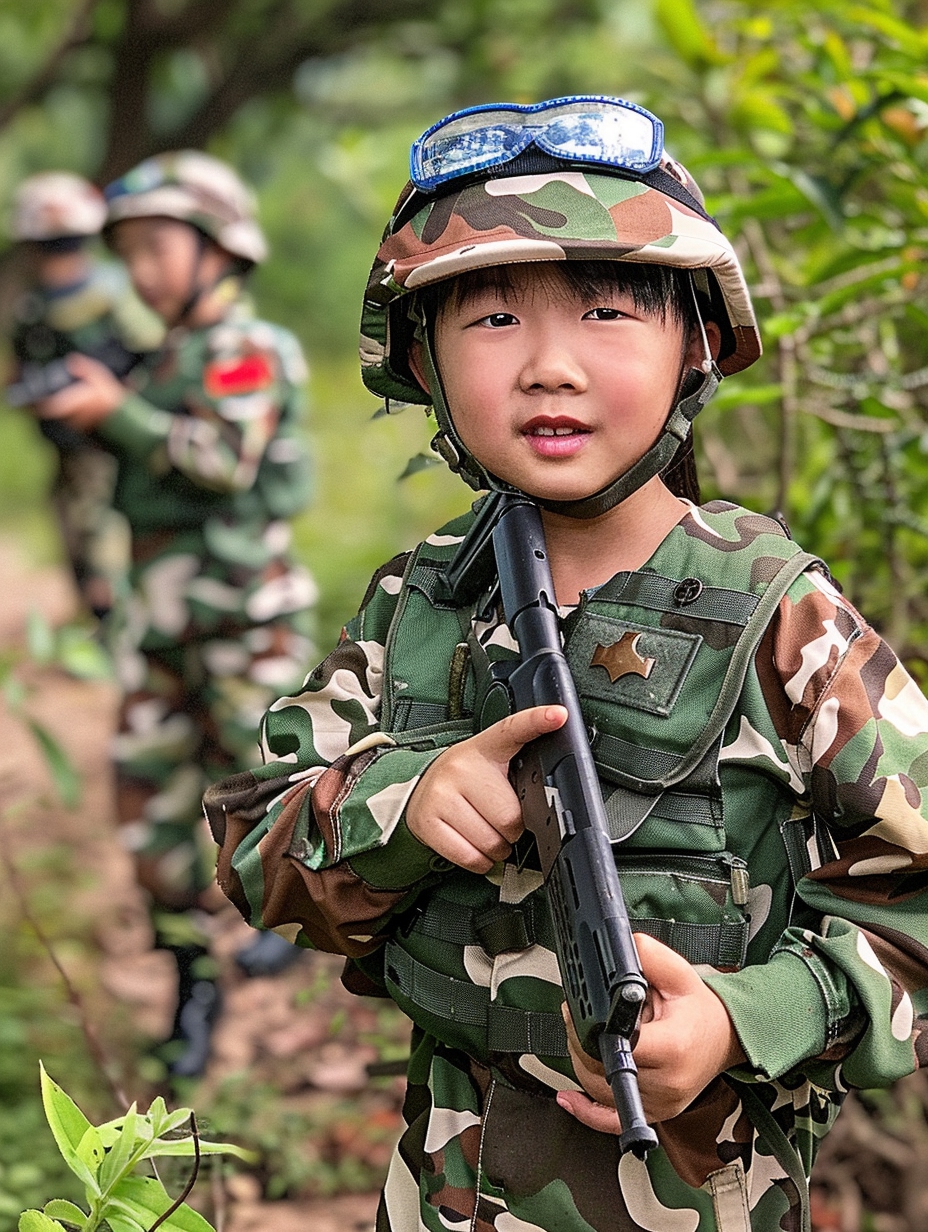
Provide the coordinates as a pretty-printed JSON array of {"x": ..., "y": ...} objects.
[
  {"x": 815, "y": 794},
  {"x": 212, "y": 458},
  {"x": 49, "y": 324}
]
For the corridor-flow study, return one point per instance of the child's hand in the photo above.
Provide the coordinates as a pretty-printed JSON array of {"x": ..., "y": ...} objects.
[
  {"x": 464, "y": 807},
  {"x": 686, "y": 1040},
  {"x": 90, "y": 400}
]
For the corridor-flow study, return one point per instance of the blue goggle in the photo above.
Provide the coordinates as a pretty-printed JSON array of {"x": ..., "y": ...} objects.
[{"x": 579, "y": 129}]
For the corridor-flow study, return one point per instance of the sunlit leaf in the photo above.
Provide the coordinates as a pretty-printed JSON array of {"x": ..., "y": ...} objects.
[
  {"x": 90, "y": 1150},
  {"x": 67, "y": 1212},
  {"x": 910, "y": 40},
  {"x": 78, "y": 653},
  {"x": 65, "y": 777},
  {"x": 69, "y": 1125},
  {"x": 38, "y": 1221},
  {"x": 120, "y": 1154},
  {"x": 687, "y": 35},
  {"x": 184, "y": 1148},
  {"x": 143, "y": 1199}
]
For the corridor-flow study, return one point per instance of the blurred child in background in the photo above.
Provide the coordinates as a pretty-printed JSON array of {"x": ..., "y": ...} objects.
[
  {"x": 212, "y": 462},
  {"x": 74, "y": 301}
]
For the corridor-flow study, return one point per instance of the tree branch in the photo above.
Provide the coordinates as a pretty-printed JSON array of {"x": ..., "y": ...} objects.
[
  {"x": 252, "y": 75},
  {"x": 79, "y": 34}
]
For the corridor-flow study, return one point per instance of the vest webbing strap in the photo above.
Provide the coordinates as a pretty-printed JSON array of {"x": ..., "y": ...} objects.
[
  {"x": 458, "y": 1001},
  {"x": 720, "y": 945},
  {"x": 506, "y": 928},
  {"x": 773, "y": 1136}
]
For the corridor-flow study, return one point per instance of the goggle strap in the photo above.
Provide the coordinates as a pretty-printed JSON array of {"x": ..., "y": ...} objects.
[{"x": 537, "y": 162}]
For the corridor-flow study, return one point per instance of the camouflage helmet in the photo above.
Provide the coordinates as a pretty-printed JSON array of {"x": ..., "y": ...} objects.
[
  {"x": 559, "y": 215},
  {"x": 55, "y": 205},
  {"x": 582, "y": 178},
  {"x": 195, "y": 188}
]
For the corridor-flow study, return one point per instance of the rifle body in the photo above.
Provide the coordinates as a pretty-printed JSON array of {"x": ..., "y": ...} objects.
[
  {"x": 562, "y": 806},
  {"x": 39, "y": 381}
]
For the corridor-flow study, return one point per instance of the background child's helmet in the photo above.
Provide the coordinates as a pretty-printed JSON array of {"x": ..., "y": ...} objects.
[
  {"x": 56, "y": 205},
  {"x": 588, "y": 214},
  {"x": 195, "y": 188}
]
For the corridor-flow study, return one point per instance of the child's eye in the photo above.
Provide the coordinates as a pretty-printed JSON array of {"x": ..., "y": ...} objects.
[
  {"x": 496, "y": 320},
  {"x": 603, "y": 314}
]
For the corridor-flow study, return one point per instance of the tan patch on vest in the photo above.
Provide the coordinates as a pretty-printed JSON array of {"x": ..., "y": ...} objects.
[{"x": 622, "y": 658}]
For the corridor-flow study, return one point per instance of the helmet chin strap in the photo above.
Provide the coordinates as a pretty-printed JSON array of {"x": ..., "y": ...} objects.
[
  {"x": 695, "y": 389},
  {"x": 197, "y": 291}
]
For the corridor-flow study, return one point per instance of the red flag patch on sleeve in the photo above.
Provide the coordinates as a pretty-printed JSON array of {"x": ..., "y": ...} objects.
[{"x": 244, "y": 374}]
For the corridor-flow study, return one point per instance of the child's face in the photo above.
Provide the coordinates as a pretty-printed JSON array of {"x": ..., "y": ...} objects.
[
  {"x": 166, "y": 262},
  {"x": 552, "y": 393}
]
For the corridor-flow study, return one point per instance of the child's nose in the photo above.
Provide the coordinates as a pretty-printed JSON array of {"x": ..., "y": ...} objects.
[{"x": 551, "y": 367}]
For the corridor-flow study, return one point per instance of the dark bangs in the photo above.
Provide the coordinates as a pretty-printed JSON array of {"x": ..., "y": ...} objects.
[{"x": 661, "y": 291}]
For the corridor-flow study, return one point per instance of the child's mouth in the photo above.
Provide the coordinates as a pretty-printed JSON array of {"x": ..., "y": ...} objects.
[{"x": 555, "y": 438}]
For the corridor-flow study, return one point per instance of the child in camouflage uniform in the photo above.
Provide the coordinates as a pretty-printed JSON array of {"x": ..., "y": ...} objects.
[
  {"x": 76, "y": 302},
  {"x": 211, "y": 464},
  {"x": 551, "y": 283}
]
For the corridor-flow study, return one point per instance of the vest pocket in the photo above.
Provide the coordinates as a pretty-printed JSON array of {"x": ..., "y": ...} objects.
[{"x": 693, "y": 904}]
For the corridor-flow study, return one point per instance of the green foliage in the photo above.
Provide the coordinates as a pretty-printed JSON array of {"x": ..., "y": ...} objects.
[
  {"x": 820, "y": 114},
  {"x": 104, "y": 1158},
  {"x": 71, "y": 648},
  {"x": 31, "y": 1020}
]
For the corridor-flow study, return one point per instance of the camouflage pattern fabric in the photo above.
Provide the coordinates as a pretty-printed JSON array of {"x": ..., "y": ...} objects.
[
  {"x": 555, "y": 217},
  {"x": 218, "y": 619},
  {"x": 50, "y": 325},
  {"x": 820, "y": 800}
]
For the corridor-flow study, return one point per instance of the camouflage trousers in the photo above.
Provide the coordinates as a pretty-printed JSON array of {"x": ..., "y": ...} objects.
[
  {"x": 191, "y": 717},
  {"x": 96, "y": 537},
  {"x": 483, "y": 1155}
]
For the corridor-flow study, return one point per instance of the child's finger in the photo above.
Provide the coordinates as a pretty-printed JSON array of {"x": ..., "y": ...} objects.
[
  {"x": 667, "y": 972},
  {"x": 597, "y": 1116},
  {"x": 504, "y": 739},
  {"x": 448, "y": 841}
]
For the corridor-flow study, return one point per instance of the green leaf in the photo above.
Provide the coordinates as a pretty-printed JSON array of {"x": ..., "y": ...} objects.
[
  {"x": 816, "y": 188},
  {"x": 119, "y": 1221},
  {"x": 37, "y": 1221},
  {"x": 69, "y": 1125},
  {"x": 40, "y": 637},
  {"x": 184, "y": 1147},
  {"x": 143, "y": 1199},
  {"x": 67, "y": 1212},
  {"x": 80, "y": 655},
  {"x": 157, "y": 1113},
  {"x": 169, "y": 1120},
  {"x": 679, "y": 19},
  {"x": 420, "y": 462},
  {"x": 121, "y": 1154},
  {"x": 91, "y": 1150},
  {"x": 66, "y": 779},
  {"x": 909, "y": 39}
]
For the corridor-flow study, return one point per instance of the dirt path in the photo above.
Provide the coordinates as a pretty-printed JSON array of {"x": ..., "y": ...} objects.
[{"x": 290, "y": 1052}]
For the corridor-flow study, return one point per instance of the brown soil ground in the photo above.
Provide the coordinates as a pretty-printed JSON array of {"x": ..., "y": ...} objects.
[{"x": 301, "y": 1035}]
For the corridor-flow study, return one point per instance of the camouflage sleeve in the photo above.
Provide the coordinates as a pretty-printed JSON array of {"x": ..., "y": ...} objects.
[
  {"x": 229, "y": 418},
  {"x": 315, "y": 841},
  {"x": 849, "y": 997}
]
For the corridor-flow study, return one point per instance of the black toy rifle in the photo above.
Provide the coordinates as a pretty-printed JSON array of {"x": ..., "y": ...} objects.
[
  {"x": 39, "y": 381},
  {"x": 562, "y": 806}
]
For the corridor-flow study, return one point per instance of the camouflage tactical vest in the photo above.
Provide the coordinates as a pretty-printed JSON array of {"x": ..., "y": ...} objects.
[{"x": 659, "y": 663}]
